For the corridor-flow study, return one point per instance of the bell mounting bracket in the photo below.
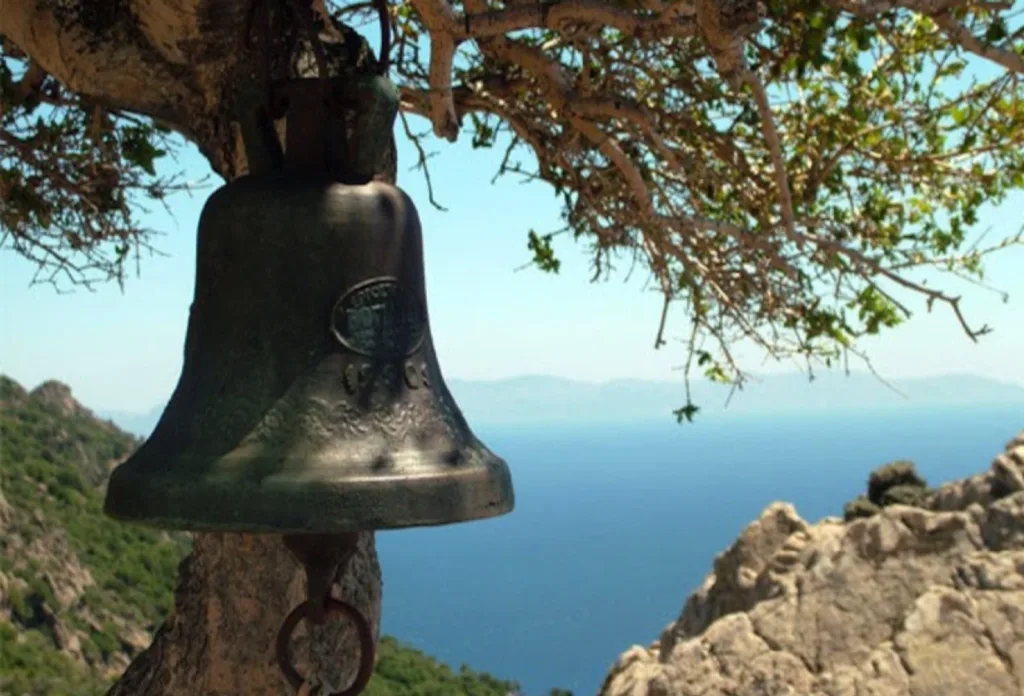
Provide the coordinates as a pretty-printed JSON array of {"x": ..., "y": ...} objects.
[{"x": 340, "y": 124}]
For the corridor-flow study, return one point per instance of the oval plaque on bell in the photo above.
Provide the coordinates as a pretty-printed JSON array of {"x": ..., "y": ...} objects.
[{"x": 377, "y": 320}]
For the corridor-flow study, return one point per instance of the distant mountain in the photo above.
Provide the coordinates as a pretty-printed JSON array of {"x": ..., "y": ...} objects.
[
  {"x": 138, "y": 423},
  {"x": 549, "y": 399},
  {"x": 553, "y": 400},
  {"x": 82, "y": 594}
]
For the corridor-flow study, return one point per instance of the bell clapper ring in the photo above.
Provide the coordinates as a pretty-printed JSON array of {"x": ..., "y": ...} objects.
[
  {"x": 322, "y": 555},
  {"x": 366, "y": 647}
]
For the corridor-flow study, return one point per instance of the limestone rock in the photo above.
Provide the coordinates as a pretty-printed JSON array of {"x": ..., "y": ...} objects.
[
  {"x": 6, "y": 512},
  {"x": 909, "y": 602},
  {"x": 60, "y": 567},
  {"x": 58, "y": 395}
]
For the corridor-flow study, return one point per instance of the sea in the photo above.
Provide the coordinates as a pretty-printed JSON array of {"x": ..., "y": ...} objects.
[{"x": 616, "y": 524}]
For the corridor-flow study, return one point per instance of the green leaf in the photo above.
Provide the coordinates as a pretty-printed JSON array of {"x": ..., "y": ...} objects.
[
  {"x": 543, "y": 254},
  {"x": 996, "y": 31},
  {"x": 686, "y": 413},
  {"x": 716, "y": 374}
]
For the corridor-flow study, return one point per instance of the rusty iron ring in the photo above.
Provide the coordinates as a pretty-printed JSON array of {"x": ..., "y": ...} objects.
[{"x": 366, "y": 646}]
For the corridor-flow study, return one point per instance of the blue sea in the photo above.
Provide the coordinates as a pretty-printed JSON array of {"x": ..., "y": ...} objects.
[{"x": 614, "y": 526}]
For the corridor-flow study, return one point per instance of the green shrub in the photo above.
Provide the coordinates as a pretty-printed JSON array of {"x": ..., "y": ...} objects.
[
  {"x": 18, "y": 600},
  {"x": 405, "y": 671},
  {"x": 107, "y": 640},
  {"x": 896, "y": 483},
  {"x": 29, "y": 666},
  {"x": 914, "y": 496},
  {"x": 859, "y": 507},
  {"x": 899, "y": 473}
]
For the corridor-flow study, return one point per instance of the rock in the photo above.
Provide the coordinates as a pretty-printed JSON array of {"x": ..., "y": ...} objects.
[
  {"x": 1008, "y": 472},
  {"x": 58, "y": 396},
  {"x": 908, "y": 602},
  {"x": 6, "y": 512},
  {"x": 61, "y": 568},
  {"x": 135, "y": 639},
  {"x": 67, "y": 640},
  {"x": 1004, "y": 477},
  {"x": 733, "y": 586}
]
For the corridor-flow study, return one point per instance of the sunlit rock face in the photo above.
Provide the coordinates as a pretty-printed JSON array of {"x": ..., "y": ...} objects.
[{"x": 909, "y": 602}]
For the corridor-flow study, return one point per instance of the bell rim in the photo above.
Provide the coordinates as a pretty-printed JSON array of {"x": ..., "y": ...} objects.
[
  {"x": 152, "y": 500},
  {"x": 170, "y": 524}
]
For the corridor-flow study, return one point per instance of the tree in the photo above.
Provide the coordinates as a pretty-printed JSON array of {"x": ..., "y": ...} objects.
[{"x": 784, "y": 174}]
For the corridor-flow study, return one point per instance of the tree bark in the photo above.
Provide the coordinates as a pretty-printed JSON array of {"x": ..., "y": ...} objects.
[
  {"x": 234, "y": 591},
  {"x": 181, "y": 62}
]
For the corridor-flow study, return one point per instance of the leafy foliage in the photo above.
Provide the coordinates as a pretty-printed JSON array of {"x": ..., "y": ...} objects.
[
  {"x": 914, "y": 496},
  {"x": 404, "y": 671},
  {"x": 786, "y": 190},
  {"x": 859, "y": 507},
  {"x": 74, "y": 177},
  {"x": 898, "y": 473},
  {"x": 30, "y": 665},
  {"x": 543, "y": 254},
  {"x": 787, "y": 179},
  {"x": 55, "y": 455}
]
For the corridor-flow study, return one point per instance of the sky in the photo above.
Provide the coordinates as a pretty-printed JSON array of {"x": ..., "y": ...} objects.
[{"x": 123, "y": 351}]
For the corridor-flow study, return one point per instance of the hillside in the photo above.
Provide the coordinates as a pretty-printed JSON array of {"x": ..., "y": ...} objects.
[{"x": 81, "y": 594}]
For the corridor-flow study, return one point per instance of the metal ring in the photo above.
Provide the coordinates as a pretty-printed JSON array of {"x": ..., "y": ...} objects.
[{"x": 366, "y": 646}]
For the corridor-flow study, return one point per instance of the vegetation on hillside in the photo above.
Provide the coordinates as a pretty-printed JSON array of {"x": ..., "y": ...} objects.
[
  {"x": 53, "y": 462},
  {"x": 80, "y": 593}
]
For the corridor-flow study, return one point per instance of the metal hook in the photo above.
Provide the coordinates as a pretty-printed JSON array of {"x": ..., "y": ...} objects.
[
  {"x": 322, "y": 555},
  {"x": 331, "y": 606}
]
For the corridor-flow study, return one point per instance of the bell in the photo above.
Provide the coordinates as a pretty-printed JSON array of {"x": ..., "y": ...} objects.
[{"x": 311, "y": 399}]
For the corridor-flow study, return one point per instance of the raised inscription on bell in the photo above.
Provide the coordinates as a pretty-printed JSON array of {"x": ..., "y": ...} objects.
[{"x": 376, "y": 319}]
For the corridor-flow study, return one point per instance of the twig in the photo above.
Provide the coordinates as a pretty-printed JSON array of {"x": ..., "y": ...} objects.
[{"x": 422, "y": 162}]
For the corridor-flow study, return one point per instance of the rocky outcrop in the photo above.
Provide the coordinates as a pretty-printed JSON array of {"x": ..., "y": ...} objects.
[
  {"x": 58, "y": 396},
  {"x": 909, "y": 602}
]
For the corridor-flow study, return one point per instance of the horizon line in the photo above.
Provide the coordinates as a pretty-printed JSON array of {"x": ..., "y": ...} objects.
[
  {"x": 753, "y": 377},
  {"x": 882, "y": 381}
]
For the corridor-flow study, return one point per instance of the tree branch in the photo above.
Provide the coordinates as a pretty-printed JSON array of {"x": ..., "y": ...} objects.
[
  {"x": 771, "y": 136},
  {"x": 173, "y": 61},
  {"x": 963, "y": 36}
]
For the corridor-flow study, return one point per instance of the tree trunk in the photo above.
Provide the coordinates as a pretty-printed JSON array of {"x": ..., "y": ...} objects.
[
  {"x": 181, "y": 62},
  {"x": 233, "y": 593}
]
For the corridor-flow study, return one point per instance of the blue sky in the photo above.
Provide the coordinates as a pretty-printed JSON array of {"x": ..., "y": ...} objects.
[{"x": 123, "y": 351}]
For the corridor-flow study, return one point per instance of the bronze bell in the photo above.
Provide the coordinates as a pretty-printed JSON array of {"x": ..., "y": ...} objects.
[{"x": 310, "y": 399}]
